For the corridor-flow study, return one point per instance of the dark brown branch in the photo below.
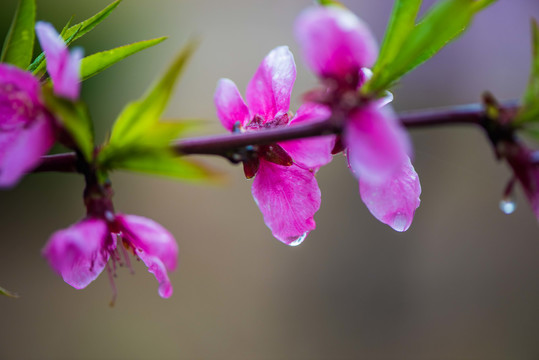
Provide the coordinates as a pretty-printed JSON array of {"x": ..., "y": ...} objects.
[{"x": 227, "y": 144}]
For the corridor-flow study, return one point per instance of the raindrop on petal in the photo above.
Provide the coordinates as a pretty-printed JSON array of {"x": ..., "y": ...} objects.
[
  {"x": 299, "y": 240},
  {"x": 400, "y": 223}
]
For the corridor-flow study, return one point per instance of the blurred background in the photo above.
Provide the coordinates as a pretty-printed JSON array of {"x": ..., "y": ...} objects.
[{"x": 462, "y": 283}]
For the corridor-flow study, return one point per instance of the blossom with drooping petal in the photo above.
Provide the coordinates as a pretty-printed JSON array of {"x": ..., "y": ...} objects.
[
  {"x": 285, "y": 187},
  {"x": 339, "y": 48},
  {"x": 82, "y": 251},
  {"x": 26, "y": 127}
]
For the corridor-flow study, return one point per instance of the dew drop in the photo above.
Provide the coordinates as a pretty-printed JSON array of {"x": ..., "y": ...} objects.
[
  {"x": 508, "y": 206},
  {"x": 299, "y": 240},
  {"x": 399, "y": 223}
]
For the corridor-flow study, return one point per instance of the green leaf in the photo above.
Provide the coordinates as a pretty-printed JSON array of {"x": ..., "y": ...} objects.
[
  {"x": 162, "y": 162},
  {"x": 140, "y": 116},
  {"x": 7, "y": 293},
  {"x": 19, "y": 44},
  {"x": 330, "y": 3},
  {"x": 75, "y": 118},
  {"x": 157, "y": 138},
  {"x": 71, "y": 33},
  {"x": 444, "y": 22},
  {"x": 528, "y": 115},
  {"x": 95, "y": 63},
  {"x": 77, "y": 31},
  {"x": 401, "y": 22},
  {"x": 532, "y": 93}
]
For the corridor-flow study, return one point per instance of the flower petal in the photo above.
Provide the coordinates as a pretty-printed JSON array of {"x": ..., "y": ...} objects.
[
  {"x": 150, "y": 237},
  {"x": 526, "y": 171},
  {"x": 310, "y": 153},
  {"x": 268, "y": 92},
  {"x": 230, "y": 105},
  {"x": 21, "y": 149},
  {"x": 156, "y": 267},
  {"x": 288, "y": 197},
  {"x": 76, "y": 253},
  {"x": 377, "y": 144},
  {"x": 63, "y": 67},
  {"x": 335, "y": 43},
  {"x": 394, "y": 202}
]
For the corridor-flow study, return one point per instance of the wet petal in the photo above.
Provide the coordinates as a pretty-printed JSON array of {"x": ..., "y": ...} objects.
[
  {"x": 519, "y": 158},
  {"x": 394, "y": 202},
  {"x": 268, "y": 92},
  {"x": 335, "y": 43},
  {"x": 150, "y": 237},
  {"x": 310, "y": 153},
  {"x": 230, "y": 105},
  {"x": 76, "y": 253},
  {"x": 377, "y": 144},
  {"x": 158, "y": 269},
  {"x": 21, "y": 149},
  {"x": 288, "y": 197},
  {"x": 63, "y": 67}
]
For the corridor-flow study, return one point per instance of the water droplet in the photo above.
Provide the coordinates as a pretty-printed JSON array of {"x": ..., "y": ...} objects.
[
  {"x": 508, "y": 206},
  {"x": 399, "y": 223},
  {"x": 299, "y": 240}
]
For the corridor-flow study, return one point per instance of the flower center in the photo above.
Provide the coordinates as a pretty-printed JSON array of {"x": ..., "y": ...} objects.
[{"x": 17, "y": 110}]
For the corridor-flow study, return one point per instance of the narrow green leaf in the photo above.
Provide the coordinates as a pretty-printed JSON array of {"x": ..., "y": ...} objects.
[
  {"x": 444, "y": 22},
  {"x": 330, "y": 3},
  {"x": 157, "y": 138},
  {"x": 140, "y": 116},
  {"x": 532, "y": 93},
  {"x": 401, "y": 22},
  {"x": 75, "y": 118},
  {"x": 86, "y": 26},
  {"x": 19, "y": 44},
  {"x": 7, "y": 293},
  {"x": 95, "y": 63},
  {"x": 167, "y": 164}
]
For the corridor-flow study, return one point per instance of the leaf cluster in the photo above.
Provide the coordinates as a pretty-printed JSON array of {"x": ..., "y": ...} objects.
[
  {"x": 139, "y": 141},
  {"x": 408, "y": 42}
]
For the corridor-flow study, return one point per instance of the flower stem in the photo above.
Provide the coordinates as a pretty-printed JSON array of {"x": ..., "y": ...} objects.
[{"x": 227, "y": 145}]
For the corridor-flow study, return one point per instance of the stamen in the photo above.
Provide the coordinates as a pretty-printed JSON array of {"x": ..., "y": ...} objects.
[
  {"x": 126, "y": 257},
  {"x": 112, "y": 285}
]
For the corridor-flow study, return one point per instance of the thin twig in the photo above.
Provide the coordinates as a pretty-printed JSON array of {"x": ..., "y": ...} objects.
[{"x": 226, "y": 144}]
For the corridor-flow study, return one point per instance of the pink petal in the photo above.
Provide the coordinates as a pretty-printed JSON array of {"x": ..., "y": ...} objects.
[
  {"x": 310, "y": 153},
  {"x": 519, "y": 158},
  {"x": 394, "y": 202},
  {"x": 21, "y": 149},
  {"x": 76, "y": 253},
  {"x": 377, "y": 143},
  {"x": 268, "y": 92},
  {"x": 335, "y": 43},
  {"x": 150, "y": 237},
  {"x": 230, "y": 105},
  {"x": 156, "y": 267},
  {"x": 63, "y": 67},
  {"x": 288, "y": 197}
]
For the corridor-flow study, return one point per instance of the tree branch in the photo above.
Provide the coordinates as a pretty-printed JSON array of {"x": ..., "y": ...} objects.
[{"x": 227, "y": 144}]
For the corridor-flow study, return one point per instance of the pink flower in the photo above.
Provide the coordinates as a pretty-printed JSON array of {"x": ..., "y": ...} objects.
[
  {"x": 82, "y": 251},
  {"x": 285, "y": 188},
  {"x": 339, "y": 47},
  {"x": 26, "y": 127}
]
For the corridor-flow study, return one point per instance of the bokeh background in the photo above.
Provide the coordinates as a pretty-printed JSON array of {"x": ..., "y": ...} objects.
[{"x": 462, "y": 283}]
